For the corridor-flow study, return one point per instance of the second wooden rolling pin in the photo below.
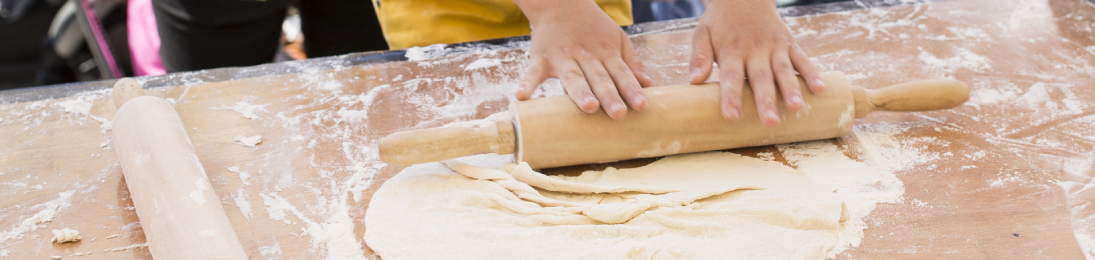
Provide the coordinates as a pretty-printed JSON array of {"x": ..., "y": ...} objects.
[
  {"x": 553, "y": 132},
  {"x": 180, "y": 214}
]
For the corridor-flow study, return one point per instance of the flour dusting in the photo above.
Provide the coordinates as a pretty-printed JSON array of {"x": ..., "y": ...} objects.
[
  {"x": 248, "y": 110},
  {"x": 336, "y": 232},
  {"x": 482, "y": 64},
  {"x": 863, "y": 183},
  {"x": 242, "y": 203},
  {"x": 125, "y": 248},
  {"x": 48, "y": 211},
  {"x": 271, "y": 250},
  {"x": 423, "y": 53},
  {"x": 244, "y": 176},
  {"x": 367, "y": 99},
  {"x": 964, "y": 58},
  {"x": 80, "y": 106}
]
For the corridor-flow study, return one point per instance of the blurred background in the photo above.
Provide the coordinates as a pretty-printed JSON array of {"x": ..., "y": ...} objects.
[{"x": 48, "y": 42}]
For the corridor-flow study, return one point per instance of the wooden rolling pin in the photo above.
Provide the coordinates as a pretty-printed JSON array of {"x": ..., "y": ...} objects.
[
  {"x": 181, "y": 216},
  {"x": 553, "y": 132}
]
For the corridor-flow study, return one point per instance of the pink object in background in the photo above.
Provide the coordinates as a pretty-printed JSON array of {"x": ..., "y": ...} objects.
[{"x": 144, "y": 39}]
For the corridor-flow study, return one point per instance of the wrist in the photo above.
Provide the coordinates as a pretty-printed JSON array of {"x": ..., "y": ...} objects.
[{"x": 539, "y": 11}]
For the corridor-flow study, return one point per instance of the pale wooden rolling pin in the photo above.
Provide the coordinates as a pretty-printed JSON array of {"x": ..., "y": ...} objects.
[
  {"x": 181, "y": 216},
  {"x": 553, "y": 132}
]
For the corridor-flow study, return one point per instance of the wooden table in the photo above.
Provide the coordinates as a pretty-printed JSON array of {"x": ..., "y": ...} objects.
[{"x": 1013, "y": 186}]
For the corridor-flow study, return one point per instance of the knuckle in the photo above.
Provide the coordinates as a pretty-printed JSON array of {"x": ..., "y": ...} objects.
[
  {"x": 789, "y": 88},
  {"x": 630, "y": 89},
  {"x": 732, "y": 75},
  {"x": 792, "y": 42},
  {"x": 540, "y": 57},
  {"x": 604, "y": 46},
  {"x": 735, "y": 94},
  {"x": 782, "y": 41},
  {"x": 581, "y": 54},
  {"x": 738, "y": 46},
  {"x": 783, "y": 66},
  {"x": 598, "y": 74},
  {"x": 700, "y": 56},
  {"x": 624, "y": 75},
  {"x": 757, "y": 41},
  {"x": 572, "y": 73},
  {"x": 760, "y": 74}
]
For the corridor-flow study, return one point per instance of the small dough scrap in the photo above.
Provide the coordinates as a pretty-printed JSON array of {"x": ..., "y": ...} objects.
[
  {"x": 66, "y": 235},
  {"x": 249, "y": 141}
]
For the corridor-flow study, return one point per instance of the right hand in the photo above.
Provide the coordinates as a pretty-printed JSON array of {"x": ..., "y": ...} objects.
[{"x": 748, "y": 38}]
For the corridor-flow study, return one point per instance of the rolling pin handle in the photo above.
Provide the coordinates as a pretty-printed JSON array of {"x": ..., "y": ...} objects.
[
  {"x": 436, "y": 144},
  {"x": 126, "y": 89},
  {"x": 921, "y": 95}
]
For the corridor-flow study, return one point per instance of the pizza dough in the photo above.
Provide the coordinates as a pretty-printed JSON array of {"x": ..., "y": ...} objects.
[{"x": 712, "y": 205}]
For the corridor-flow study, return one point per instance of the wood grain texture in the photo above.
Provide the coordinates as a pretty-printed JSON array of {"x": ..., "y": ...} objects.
[
  {"x": 683, "y": 119},
  {"x": 920, "y": 95},
  {"x": 992, "y": 189},
  {"x": 436, "y": 144}
]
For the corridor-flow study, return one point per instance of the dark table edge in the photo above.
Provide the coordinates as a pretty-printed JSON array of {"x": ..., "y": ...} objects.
[{"x": 369, "y": 58}]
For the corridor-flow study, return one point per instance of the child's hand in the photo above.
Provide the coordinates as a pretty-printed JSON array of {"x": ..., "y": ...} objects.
[
  {"x": 749, "y": 39},
  {"x": 575, "y": 41}
]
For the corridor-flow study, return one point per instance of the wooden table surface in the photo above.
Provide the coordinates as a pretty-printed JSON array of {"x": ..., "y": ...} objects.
[{"x": 1009, "y": 176}]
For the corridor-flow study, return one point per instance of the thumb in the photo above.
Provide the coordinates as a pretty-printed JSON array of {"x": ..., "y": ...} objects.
[
  {"x": 634, "y": 63},
  {"x": 536, "y": 73}
]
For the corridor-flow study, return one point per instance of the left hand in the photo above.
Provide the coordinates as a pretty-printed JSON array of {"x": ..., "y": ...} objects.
[{"x": 576, "y": 42}]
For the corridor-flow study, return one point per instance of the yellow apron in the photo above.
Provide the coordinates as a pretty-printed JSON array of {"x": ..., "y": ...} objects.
[{"x": 409, "y": 23}]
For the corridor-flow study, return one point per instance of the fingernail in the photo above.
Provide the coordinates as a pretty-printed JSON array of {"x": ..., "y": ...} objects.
[
  {"x": 820, "y": 84},
  {"x": 772, "y": 116},
  {"x": 616, "y": 108},
  {"x": 732, "y": 115},
  {"x": 797, "y": 100},
  {"x": 616, "y": 111},
  {"x": 638, "y": 101},
  {"x": 589, "y": 105},
  {"x": 695, "y": 73}
]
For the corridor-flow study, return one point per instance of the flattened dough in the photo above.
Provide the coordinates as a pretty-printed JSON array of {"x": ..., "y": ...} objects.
[{"x": 712, "y": 205}]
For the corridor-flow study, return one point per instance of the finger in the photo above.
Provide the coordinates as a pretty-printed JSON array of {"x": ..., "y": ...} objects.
[
  {"x": 634, "y": 63},
  {"x": 731, "y": 82},
  {"x": 536, "y": 74},
  {"x": 626, "y": 84},
  {"x": 574, "y": 82},
  {"x": 759, "y": 70},
  {"x": 787, "y": 80},
  {"x": 806, "y": 68},
  {"x": 603, "y": 88},
  {"x": 702, "y": 56}
]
